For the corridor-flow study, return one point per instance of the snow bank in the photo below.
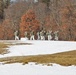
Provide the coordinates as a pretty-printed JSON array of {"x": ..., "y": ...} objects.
[
  {"x": 32, "y": 69},
  {"x": 24, "y": 39}
]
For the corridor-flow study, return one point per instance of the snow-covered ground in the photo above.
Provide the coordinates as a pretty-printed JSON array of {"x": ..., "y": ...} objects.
[
  {"x": 40, "y": 48},
  {"x": 32, "y": 69}
]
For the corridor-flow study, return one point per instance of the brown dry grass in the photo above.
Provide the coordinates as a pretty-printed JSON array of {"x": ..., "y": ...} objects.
[
  {"x": 3, "y": 49},
  {"x": 2, "y": 45},
  {"x": 64, "y": 58}
]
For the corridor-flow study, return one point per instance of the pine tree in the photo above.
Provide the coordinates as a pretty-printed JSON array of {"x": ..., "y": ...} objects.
[
  {"x": 6, "y": 3},
  {"x": 47, "y": 2},
  {"x": 1, "y": 9}
]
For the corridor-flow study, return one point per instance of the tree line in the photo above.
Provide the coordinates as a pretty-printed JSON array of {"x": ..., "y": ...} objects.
[{"x": 22, "y": 15}]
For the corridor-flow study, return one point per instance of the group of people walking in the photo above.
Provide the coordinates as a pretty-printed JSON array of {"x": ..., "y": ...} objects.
[{"x": 42, "y": 35}]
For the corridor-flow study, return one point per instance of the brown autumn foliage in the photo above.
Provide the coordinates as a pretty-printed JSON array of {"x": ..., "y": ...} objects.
[
  {"x": 29, "y": 23},
  {"x": 49, "y": 23},
  {"x": 68, "y": 27},
  {"x": 6, "y": 31}
]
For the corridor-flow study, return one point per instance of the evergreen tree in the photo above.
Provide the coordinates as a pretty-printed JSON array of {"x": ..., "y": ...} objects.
[
  {"x": 3, "y": 4},
  {"x": 1, "y": 9},
  {"x": 6, "y": 3},
  {"x": 47, "y": 2}
]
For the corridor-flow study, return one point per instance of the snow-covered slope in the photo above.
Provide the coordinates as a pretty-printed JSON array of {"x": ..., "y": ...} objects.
[{"x": 40, "y": 48}]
